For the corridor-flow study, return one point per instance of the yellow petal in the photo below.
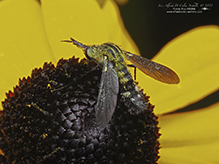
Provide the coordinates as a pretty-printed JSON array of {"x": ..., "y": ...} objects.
[
  {"x": 201, "y": 154},
  {"x": 85, "y": 21},
  {"x": 194, "y": 57},
  {"x": 29, "y": 44},
  {"x": 190, "y": 137},
  {"x": 22, "y": 42}
]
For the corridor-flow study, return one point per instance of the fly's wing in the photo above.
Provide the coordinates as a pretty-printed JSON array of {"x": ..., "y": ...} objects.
[
  {"x": 107, "y": 98},
  {"x": 152, "y": 69}
]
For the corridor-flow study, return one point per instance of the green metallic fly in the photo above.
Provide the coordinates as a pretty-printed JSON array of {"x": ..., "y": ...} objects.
[{"x": 115, "y": 72}]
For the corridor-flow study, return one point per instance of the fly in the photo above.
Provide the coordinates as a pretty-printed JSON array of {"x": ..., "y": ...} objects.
[{"x": 115, "y": 72}]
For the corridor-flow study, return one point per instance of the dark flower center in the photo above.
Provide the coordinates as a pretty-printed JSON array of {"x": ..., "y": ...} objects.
[{"x": 50, "y": 118}]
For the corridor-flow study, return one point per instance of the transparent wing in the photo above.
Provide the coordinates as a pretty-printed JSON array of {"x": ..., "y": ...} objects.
[
  {"x": 152, "y": 69},
  {"x": 107, "y": 98}
]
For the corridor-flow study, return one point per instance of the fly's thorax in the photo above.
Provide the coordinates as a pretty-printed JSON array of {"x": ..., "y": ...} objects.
[
  {"x": 98, "y": 53},
  {"x": 114, "y": 53},
  {"x": 116, "y": 57}
]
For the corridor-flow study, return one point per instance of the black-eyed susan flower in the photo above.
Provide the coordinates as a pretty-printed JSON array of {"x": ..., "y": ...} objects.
[
  {"x": 190, "y": 137},
  {"x": 36, "y": 39},
  {"x": 49, "y": 116}
]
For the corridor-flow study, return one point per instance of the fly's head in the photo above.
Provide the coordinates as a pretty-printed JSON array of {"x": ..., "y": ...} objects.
[{"x": 95, "y": 53}]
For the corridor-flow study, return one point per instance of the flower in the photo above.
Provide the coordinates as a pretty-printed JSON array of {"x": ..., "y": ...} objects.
[
  {"x": 49, "y": 116},
  {"x": 35, "y": 29},
  {"x": 190, "y": 137},
  {"x": 51, "y": 21}
]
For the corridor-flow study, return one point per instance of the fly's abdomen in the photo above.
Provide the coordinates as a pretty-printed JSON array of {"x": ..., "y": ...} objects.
[
  {"x": 128, "y": 88},
  {"x": 130, "y": 92}
]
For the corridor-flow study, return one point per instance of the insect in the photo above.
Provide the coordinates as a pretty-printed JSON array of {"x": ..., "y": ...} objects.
[{"x": 115, "y": 71}]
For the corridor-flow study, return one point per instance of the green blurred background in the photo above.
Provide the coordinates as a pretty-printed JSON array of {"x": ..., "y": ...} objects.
[{"x": 151, "y": 28}]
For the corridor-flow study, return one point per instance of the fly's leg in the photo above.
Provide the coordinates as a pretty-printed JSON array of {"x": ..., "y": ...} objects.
[
  {"x": 35, "y": 106},
  {"x": 57, "y": 89},
  {"x": 130, "y": 65}
]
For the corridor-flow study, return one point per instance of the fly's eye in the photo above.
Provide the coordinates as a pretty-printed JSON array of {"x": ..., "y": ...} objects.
[{"x": 87, "y": 53}]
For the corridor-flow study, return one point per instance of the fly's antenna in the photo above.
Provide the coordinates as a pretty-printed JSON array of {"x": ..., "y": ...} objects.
[{"x": 75, "y": 42}]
